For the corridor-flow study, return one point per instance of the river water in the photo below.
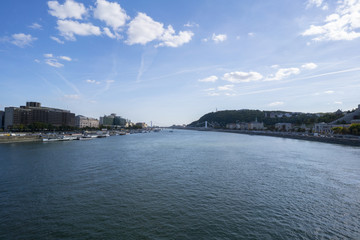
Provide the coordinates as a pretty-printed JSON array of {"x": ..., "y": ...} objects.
[{"x": 180, "y": 185}]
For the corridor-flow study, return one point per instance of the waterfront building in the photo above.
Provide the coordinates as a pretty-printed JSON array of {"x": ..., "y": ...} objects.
[
  {"x": 353, "y": 115},
  {"x": 141, "y": 125},
  {"x": 231, "y": 126},
  {"x": 113, "y": 121},
  {"x": 256, "y": 125},
  {"x": 325, "y": 128},
  {"x": 283, "y": 126},
  {"x": 33, "y": 112},
  {"x": 84, "y": 122},
  {"x": 2, "y": 114}
]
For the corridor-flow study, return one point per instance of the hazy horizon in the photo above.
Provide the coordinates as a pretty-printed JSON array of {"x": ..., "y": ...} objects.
[{"x": 172, "y": 62}]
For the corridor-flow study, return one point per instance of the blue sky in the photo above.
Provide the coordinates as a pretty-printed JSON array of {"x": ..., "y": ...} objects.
[{"x": 170, "y": 62}]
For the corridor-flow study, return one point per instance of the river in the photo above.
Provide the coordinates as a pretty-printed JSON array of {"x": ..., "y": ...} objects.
[{"x": 180, "y": 185}]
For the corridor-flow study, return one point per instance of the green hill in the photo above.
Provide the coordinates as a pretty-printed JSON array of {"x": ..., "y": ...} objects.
[{"x": 269, "y": 118}]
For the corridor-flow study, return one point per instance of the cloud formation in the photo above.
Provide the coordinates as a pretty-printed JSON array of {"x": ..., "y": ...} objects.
[
  {"x": 69, "y": 28},
  {"x": 70, "y": 9},
  {"x": 283, "y": 73},
  {"x": 35, "y": 26},
  {"x": 274, "y": 104},
  {"x": 143, "y": 29},
  {"x": 309, "y": 66},
  {"x": 57, "y": 40},
  {"x": 341, "y": 25},
  {"x": 22, "y": 40},
  {"x": 238, "y": 77},
  {"x": 111, "y": 13},
  {"x": 219, "y": 38},
  {"x": 53, "y": 61},
  {"x": 140, "y": 30},
  {"x": 209, "y": 79}
]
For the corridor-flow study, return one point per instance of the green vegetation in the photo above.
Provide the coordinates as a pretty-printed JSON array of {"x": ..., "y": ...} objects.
[
  {"x": 354, "y": 129},
  {"x": 221, "y": 118}
]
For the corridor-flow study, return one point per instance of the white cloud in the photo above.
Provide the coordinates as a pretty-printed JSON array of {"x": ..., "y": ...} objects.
[
  {"x": 48, "y": 55},
  {"x": 143, "y": 29},
  {"x": 338, "y": 102},
  {"x": 226, "y": 88},
  {"x": 110, "y": 81},
  {"x": 22, "y": 40},
  {"x": 314, "y": 3},
  {"x": 341, "y": 25},
  {"x": 309, "y": 66},
  {"x": 209, "y": 79},
  {"x": 275, "y": 66},
  {"x": 72, "y": 97},
  {"x": 68, "y": 29},
  {"x": 92, "y": 81},
  {"x": 37, "y": 60},
  {"x": 213, "y": 94},
  {"x": 109, "y": 33},
  {"x": 35, "y": 26},
  {"x": 209, "y": 89},
  {"x": 191, "y": 24},
  {"x": 57, "y": 40},
  {"x": 111, "y": 13},
  {"x": 169, "y": 39},
  {"x": 65, "y": 58},
  {"x": 251, "y": 34},
  {"x": 238, "y": 77},
  {"x": 283, "y": 73},
  {"x": 273, "y": 104},
  {"x": 54, "y": 63},
  {"x": 329, "y": 92},
  {"x": 219, "y": 38},
  {"x": 70, "y": 9}
]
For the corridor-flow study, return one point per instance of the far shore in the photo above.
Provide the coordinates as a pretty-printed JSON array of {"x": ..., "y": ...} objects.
[{"x": 343, "y": 140}]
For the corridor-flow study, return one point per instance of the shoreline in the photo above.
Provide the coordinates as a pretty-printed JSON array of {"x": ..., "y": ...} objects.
[{"x": 331, "y": 140}]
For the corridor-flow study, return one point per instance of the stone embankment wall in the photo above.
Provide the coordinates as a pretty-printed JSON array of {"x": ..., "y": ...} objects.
[
  {"x": 14, "y": 139},
  {"x": 335, "y": 140}
]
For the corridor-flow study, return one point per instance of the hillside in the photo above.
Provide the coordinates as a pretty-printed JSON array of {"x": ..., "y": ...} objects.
[{"x": 221, "y": 118}]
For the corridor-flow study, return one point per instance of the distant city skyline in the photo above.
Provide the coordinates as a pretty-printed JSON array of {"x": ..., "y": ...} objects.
[{"x": 171, "y": 62}]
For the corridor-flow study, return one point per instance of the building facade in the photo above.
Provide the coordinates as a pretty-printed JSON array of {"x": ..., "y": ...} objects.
[
  {"x": 33, "y": 112},
  {"x": 113, "y": 121},
  {"x": 84, "y": 122},
  {"x": 283, "y": 126},
  {"x": 2, "y": 115}
]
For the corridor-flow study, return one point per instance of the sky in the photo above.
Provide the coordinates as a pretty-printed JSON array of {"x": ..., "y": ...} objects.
[{"x": 170, "y": 62}]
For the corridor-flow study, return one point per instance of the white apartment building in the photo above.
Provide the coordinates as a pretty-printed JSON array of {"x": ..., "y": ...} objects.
[{"x": 83, "y": 122}]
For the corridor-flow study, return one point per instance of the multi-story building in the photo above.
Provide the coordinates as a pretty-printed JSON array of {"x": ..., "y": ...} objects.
[
  {"x": 83, "y": 122},
  {"x": 113, "y": 121},
  {"x": 141, "y": 125},
  {"x": 283, "y": 126},
  {"x": 33, "y": 112},
  {"x": 2, "y": 114}
]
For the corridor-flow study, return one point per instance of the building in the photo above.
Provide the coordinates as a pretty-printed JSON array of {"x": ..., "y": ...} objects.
[
  {"x": 256, "y": 125},
  {"x": 86, "y": 122},
  {"x": 325, "y": 128},
  {"x": 113, "y": 121},
  {"x": 141, "y": 125},
  {"x": 353, "y": 115},
  {"x": 283, "y": 127},
  {"x": 2, "y": 114},
  {"x": 33, "y": 112}
]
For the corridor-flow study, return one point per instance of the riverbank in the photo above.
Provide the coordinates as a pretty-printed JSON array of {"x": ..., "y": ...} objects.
[
  {"x": 18, "y": 139},
  {"x": 355, "y": 141}
]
